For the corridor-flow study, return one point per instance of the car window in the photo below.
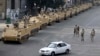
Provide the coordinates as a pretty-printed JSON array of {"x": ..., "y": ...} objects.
[
  {"x": 63, "y": 44},
  {"x": 59, "y": 45},
  {"x": 52, "y": 45}
]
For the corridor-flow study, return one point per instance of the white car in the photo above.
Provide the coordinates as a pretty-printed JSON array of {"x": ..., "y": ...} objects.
[{"x": 55, "y": 48}]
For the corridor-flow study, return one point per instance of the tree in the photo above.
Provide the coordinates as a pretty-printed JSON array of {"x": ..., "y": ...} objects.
[{"x": 47, "y": 3}]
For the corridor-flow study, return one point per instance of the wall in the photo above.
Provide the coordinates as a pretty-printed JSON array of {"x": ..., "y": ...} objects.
[{"x": 2, "y": 8}]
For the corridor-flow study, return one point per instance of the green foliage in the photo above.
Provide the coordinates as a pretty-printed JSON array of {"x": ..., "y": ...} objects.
[{"x": 47, "y": 3}]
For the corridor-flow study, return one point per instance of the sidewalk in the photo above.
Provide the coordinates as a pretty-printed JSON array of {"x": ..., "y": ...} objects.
[{"x": 2, "y": 26}]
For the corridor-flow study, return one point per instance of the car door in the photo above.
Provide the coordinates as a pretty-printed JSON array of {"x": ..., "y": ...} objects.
[
  {"x": 58, "y": 48},
  {"x": 64, "y": 47}
]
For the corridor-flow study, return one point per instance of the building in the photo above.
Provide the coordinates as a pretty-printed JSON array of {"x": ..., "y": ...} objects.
[
  {"x": 15, "y": 7},
  {"x": 11, "y": 6},
  {"x": 2, "y": 8}
]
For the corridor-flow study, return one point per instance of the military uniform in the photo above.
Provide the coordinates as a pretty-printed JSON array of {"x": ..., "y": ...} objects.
[
  {"x": 92, "y": 35},
  {"x": 82, "y": 35}
]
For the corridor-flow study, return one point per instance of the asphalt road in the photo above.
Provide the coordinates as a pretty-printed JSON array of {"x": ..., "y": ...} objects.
[{"x": 61, "y": 32}]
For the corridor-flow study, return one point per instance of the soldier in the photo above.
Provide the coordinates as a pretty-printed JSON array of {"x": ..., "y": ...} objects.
[
  {"x": 75, "y": 30},
  {"x": 82, "y": 35},
  {"x": 92, "y": 35},
  {"x": 7, "y": 26},
  {"x": 26, "y": 19},
  {"x": 78, "y": 30},
  {"x": 16, "y": 24},
  {"x": 42, "y": 11},
  {"x": 34, "y": 10}
]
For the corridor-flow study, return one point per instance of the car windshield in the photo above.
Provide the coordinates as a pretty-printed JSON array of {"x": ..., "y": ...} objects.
[{"x": 52, "y": 45}]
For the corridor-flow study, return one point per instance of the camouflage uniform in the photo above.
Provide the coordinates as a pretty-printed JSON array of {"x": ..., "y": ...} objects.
[
  {"x": 75, "y": 30},
  {"x": 82, "y": 35},
  {"x": 78, "y": 30},
  {"x": 92, "y": 35}
]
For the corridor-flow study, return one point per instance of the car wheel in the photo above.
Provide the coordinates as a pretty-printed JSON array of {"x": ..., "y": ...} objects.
[
  {"x": 67, "y": 51},
  {"x": 4, "y": 41},
  {"x": 53, "y": 54},
  {"x": 41, "y": 55}
]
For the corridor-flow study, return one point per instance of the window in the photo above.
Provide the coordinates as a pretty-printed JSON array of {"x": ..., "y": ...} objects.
[
  {"x": 12, "y": 4},
  {"x": 59, "y": 45},
  {"x": 52, "y": 45},
  {"x": 63, "y": 44}
]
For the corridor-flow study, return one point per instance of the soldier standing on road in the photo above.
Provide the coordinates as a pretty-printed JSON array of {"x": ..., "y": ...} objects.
[
  {"x": 75, "y": 30},
  {"x": 92, "y": 35},
  {"x": 82, "y": 35},
  {"x": 78, "y": 30}
]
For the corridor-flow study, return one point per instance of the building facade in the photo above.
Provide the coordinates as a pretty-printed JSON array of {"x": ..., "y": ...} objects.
[
  {"x": 2, "y": 8},
  {"x": 11, "y": 6},
  {"x": 14, "y": 7}
]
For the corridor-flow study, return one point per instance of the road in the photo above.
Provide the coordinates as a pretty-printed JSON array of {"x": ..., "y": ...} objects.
[{"x": 61, "y": 32}]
